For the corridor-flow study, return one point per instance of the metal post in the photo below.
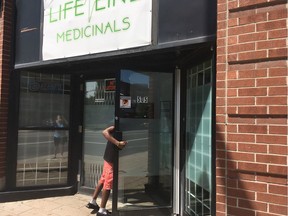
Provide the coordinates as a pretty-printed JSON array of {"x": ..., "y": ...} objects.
[{"x": 176, "y": 186}]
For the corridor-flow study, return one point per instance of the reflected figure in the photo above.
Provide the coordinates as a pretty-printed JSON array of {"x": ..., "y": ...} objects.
[{"x": 60, "y": 136}]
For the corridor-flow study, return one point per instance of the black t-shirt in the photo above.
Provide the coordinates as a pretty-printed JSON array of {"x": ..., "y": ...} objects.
[{"x": 110, "y": 152}]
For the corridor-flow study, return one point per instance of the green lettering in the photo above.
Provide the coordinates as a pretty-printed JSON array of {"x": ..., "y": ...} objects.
[
  {"x": 76, "y": 34},
  {"x": 60, "y": 12},
  {"x": 115, "y": 27},
  {"x": 60, "y": 37},
  {"x": 66, "y": 7},
  {"x": 87, "y": 27},
  {"x": 77, "y": 5},
  {"x": 126, "y": 21},
  {"x": 108, "y": 26},
  {"x": 98, "y": 29},
  {"x": 97, "y": 8},
  {"x": 50, "y": 16},
  {"x": 113, "y": 3},
  {"x": 124, "y": 1},
  {"x": 68, "y": 35}
]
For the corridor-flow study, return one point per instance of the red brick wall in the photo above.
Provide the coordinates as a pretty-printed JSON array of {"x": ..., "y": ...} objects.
[
  {"x": 251, "y": 113},
  {"x": 6, "y": 26}
]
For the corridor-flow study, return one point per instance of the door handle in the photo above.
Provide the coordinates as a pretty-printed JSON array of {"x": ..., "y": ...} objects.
[{"x": 80, "y": 128}]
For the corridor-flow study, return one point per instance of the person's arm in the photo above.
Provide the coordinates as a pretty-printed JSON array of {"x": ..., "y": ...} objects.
[{"x": 107, "y": 134}]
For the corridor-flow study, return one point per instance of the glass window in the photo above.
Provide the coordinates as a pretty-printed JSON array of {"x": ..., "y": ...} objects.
[
  {"x": 42, "y": 98},
  {"x": 198, "y": 140},
  {"x": 36, "y": 164},
  {"x": 43, "y": 134}
]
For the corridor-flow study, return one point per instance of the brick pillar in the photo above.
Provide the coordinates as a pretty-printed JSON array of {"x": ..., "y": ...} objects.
[
  {"x": 251, "y": 112},
  {"x": 6, "y": 27}
]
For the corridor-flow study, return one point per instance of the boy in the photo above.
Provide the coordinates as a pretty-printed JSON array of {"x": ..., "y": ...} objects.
[{"x": 106, "y": 181}]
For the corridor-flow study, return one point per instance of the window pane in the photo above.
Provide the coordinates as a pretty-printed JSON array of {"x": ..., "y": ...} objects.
[
  {"x": 36, "y": 164},
  {"x": 42, "y": 98},
  {"x": 198, "y": 141},
  {"x": 43, "y": 136}
]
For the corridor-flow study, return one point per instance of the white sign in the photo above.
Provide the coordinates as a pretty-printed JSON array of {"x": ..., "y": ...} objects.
[
  {"x": 81, "y": 27},
  {"x": 125, "y": 102},
  {"x": 142, "y": 100}
]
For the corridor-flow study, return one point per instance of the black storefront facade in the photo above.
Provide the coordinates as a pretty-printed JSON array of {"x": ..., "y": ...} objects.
[{"x": 158, "y": 93}]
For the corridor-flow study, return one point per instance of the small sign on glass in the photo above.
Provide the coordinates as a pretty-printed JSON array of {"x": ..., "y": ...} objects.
[{"x": 125, "y": 102}]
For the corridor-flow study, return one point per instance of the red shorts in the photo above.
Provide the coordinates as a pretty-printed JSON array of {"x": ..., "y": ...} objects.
[{"x": 107, "y": 176}]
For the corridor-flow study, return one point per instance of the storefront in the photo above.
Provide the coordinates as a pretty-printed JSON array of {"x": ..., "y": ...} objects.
[{"x": 148, "y": 67}]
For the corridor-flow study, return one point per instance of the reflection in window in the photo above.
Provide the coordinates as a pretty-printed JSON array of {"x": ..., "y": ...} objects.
[
  {"x": 42, "y": 98},
  {"x": 198, "y": 140},
  {"x": 145, "y": 166},
  {"x": 43, "y": 134},
  {"x": 37, "y": 164},
  {"x": 99, "y": 106}
]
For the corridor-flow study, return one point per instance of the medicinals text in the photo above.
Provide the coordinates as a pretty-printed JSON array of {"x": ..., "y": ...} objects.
[{"x": 92, "y": 17}]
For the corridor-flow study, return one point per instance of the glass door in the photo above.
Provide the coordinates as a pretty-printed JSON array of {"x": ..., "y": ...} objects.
[
  {"x": 99, "y": 109},
  {"x": 144, "y": 114}
]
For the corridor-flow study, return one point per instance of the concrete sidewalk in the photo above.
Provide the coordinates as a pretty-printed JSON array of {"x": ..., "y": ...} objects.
[{"x": 73, "y": 205}]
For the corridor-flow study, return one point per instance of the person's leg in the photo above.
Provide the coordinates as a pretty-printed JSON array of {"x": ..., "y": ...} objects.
[
  {"x": 92, "y": 204},
  {"x": 55, "y": 151},
  {"x": 63, "y": 142},
  {"x": 56, "y": 144},
  {"x": 102, "y": 210},
  {"x": 97, "y": 190},
  {"x": 105, "y": 197},
  {"x": 62, "y": 148},
  {"x": 108, "y": 183}
]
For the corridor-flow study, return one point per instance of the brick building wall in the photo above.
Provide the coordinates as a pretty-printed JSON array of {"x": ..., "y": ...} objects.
[
  {"x": 251, "y": 112},
  {"x": 6, "y": 26}
]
